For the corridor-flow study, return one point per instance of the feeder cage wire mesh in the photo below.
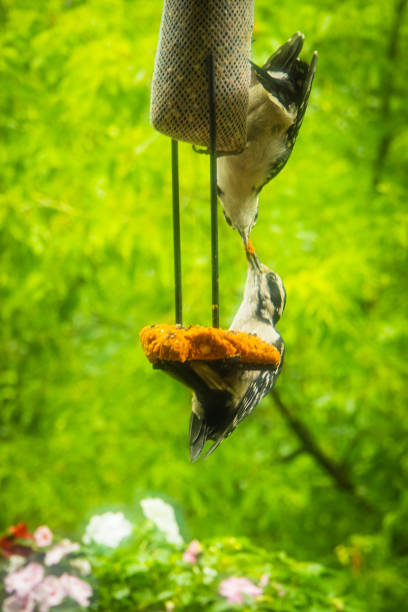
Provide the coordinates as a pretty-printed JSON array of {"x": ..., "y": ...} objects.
[{"x": 191, "y": 31}]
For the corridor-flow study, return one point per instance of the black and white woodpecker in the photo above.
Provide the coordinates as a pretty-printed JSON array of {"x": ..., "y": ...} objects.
[
  {"x": 226, "y": 393},
  {"x": 278, "y": 98}
]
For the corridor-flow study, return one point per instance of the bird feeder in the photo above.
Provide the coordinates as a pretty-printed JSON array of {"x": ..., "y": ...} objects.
[
  {"x": 200, "y": 95},
  {"x": 202, "y": 72}
]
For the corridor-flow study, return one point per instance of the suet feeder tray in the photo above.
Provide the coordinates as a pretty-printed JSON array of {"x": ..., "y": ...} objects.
[
  {"x": 176, "y": 349},
  {"x": 200, "y": 95},
  {"x": 198, "y": 343}
]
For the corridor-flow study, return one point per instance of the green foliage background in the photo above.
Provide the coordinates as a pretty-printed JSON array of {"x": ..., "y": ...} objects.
[{"x": 86, "y": 261}]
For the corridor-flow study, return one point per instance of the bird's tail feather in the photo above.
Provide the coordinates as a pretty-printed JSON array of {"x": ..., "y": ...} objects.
[
  {"x": 307, "y": 87},
  {"x": 283, "y": 91},
  {"x": 284, "y": 57},
  {"x": 198, "y": 436},
  {"x": 214, "y": 446}
]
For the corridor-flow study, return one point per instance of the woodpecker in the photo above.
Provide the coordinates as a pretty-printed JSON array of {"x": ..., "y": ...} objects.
[
  {"x": 278, "y": 98},
  {"x": 225, "y": 393}
]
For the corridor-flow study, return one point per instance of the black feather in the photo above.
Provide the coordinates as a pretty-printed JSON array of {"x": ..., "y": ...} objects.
[
  {"x": 198, "y": 436},
  {"x": 304, "y": 99},
  {"x": 255, "y": 392},
  {"x": 285, "y": 60},
  {"x": 287, "y": 90},
  {"x": 287, "y": 53}
]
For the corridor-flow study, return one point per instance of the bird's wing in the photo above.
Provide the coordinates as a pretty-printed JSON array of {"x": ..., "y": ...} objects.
[
  {"x": 276, "y": 167},
  {"x": 294, "y": 128},
  {"x": 261, "y": 385}
]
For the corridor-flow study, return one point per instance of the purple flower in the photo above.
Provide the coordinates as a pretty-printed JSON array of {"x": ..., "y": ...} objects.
[
  {"x": 77, "y": 589},
  {"x": 193, "y": 550},
  {"x": 60, "y": 550},
  {"x": 49, "y": 593},
  {"x": 43, "y": 536},
  {"x": 24, "y": 580},
  {"x": 234, "y": 588}
]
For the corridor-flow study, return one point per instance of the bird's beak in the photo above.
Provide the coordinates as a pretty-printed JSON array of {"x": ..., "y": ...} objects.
[
  {"x": 248, "y": 246},
  {"x": 252, "y": 257},
  {"x": 253, "y": 261},
  {"x": 245, "y": 240}
]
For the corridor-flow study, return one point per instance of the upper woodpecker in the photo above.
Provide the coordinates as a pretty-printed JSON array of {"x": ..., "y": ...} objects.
[
  {"x": 226, "y": 393},
  {"x": 278, "y": 99}
]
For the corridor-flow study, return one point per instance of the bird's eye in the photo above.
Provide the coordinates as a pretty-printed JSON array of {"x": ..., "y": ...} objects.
[{"x": 219, "y": 192}]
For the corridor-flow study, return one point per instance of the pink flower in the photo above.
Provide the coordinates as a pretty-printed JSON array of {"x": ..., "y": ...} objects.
[
  {"x": 233, "y": 589},
  {"x": 264, "y": 580},
  {"x": 24, "y": 580},
  {"x": 60, "y": 550},
  {"x": 49, "y": 593},
  {"x": 77, "y": 589},
  {"x": 18, "y": 604},
  {"x": 192, "y": 552},
  {"x": 43, "y": 536}
]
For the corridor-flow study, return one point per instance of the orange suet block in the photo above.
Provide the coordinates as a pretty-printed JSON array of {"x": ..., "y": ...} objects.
[{"x": 198, "y": 343}]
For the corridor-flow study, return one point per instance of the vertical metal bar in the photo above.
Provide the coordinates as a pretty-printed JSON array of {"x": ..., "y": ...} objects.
[
  {"x": 176, "y": 233},
  {"x": 213, "y": 183}
]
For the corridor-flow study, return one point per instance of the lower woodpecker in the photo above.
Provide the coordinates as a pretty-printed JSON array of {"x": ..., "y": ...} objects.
[{"x": 225, "y": 393}]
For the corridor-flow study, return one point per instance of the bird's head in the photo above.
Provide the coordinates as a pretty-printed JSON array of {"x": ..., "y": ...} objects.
[
  {"x": 239, "y": 201},
  {"x": 267, "y": 289}
]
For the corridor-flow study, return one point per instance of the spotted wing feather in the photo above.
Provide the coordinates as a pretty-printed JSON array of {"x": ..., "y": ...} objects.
[{"x": 254, "y": 394}]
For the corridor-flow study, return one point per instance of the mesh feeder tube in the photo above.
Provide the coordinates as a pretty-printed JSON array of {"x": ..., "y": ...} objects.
[{"x": 191, "y": 31}]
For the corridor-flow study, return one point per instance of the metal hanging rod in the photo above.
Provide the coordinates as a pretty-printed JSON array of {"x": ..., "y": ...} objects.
[
  {"x": 213, "y": 184},
  {"x": 215, "y": 308},
  {"x": 178, "y": 300}
]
